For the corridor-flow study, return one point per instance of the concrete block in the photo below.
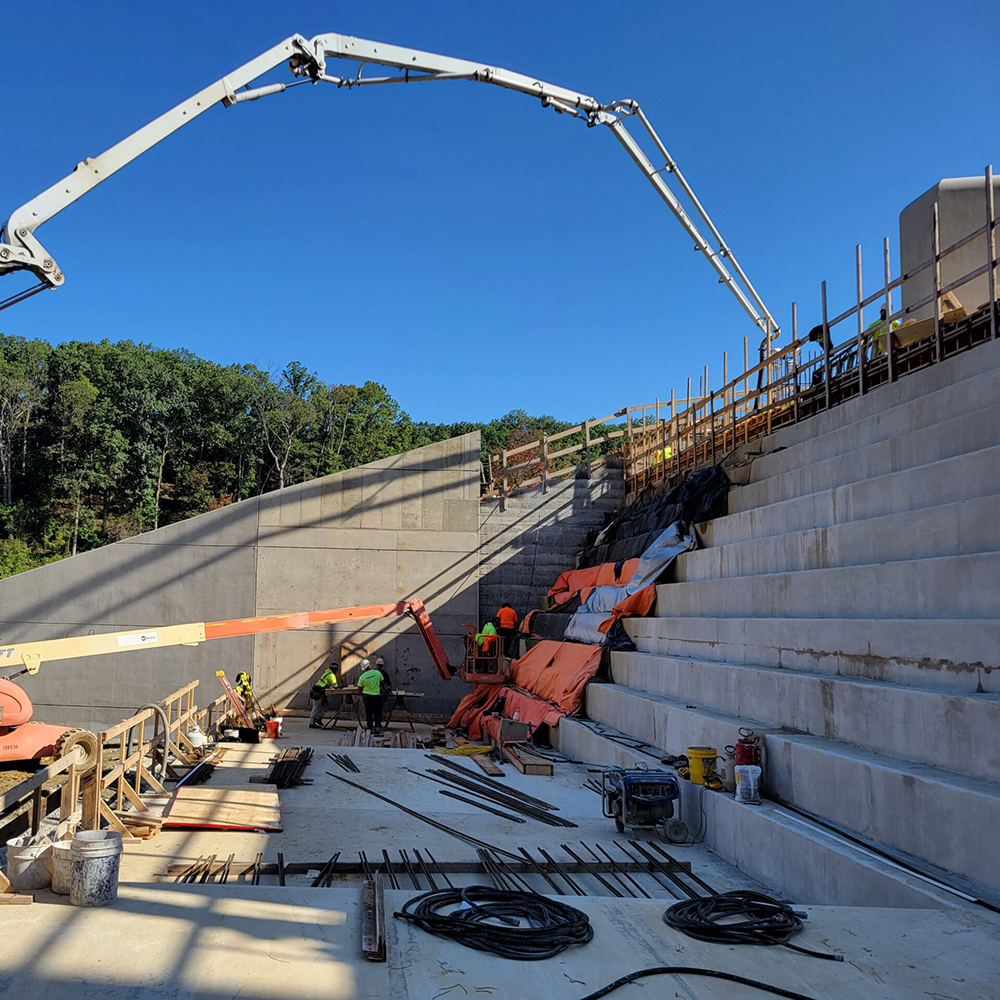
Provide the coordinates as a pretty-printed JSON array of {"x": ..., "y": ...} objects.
[
  {"x": 948, "y": 655},
  {"x": 955, "y": 731},
  {"x": 945, "y": 587},
  {"x": 961, "y": 528},
  {"x": 946, "y": 403},
  {"x": 959, "y": 436},
  {"x": 950, "y": 480}
]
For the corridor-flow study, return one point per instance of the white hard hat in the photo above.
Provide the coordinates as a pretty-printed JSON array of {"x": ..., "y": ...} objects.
[
  {"x": 365, "y": 664},
  {"x": 379, "y": 662}
]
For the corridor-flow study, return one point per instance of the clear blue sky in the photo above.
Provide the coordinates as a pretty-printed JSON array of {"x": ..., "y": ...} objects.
[{"x": 454, "y": 241}]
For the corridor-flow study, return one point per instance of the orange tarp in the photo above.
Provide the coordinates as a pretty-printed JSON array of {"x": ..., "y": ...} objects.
[
  {"x": 638, "y": 604},
  {"x": 583, "y": 581},
  {"x": 550, "y": 679},
  {"x": 557, "y": 672}
]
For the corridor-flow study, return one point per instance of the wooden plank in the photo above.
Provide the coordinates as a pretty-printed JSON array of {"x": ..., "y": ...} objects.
[
  {"x": 233, "y": 807},
  {"x": 14, "y": 899},
  {"x": 18, "y": 792},
  {"x": 373, "y": 919},
  {"x": 525, "y": 761},
  {"x": 487, "y": 765}
]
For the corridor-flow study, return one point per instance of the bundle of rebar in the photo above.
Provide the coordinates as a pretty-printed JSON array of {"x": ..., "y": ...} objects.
[
  {"x": 344, "y": 762},
  {"x": 288, "y": 768},
  {"x": 519, "y": 803}
]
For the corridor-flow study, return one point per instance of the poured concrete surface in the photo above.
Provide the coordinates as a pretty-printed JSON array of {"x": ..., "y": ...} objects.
[
  {"x": 165, "y": 940},
  {"x": 267, "y": 942}
]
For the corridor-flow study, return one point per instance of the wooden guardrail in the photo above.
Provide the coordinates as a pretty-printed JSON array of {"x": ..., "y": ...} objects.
[
  {"x": 105, "y": 794},
  {"x": 675, "y": 436},
  {"x": 37, "y": 810}
]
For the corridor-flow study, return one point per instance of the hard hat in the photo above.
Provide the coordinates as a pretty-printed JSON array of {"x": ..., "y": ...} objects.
[
  {"x": 365, "y": 664},
  {"x": 379, "y": 662}
]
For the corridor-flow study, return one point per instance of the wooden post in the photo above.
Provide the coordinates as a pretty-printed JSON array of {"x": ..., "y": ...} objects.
[
  {"x": 69, "y": 793},
  {"x": 889, "y": 353},
  {"x": 687, "y": 416},
  {"x": 503, "y": 496},
  {"x": 122, "y": 744},
  {"x": 138, "y": 766},
  {"x": 826, "y": 351},
  {"x": 545, "y": 463},
  {"x": 36, "y": 807},
  {"x": 586, "y": 441},
  {"x": 991, "y": 250},
  {"x": 725, "y": 395},
  {"x": 936, "y": 275}
]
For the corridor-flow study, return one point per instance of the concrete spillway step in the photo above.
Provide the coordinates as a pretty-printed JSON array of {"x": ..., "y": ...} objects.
[
  {"x": 955, "y": 731},
  {"x": 958, "y": 436},
  {"x": 768, "y": 842},
  {"x": 890, "y": 800},
  {"x": 961, "y": 368},
  {"x": 945, "y": 587},
  {"x": 951, "y": 480},
  {"x": 951, "y": 655},
  {"x": 962, "y": 528},
  {"x": 942, "y": 404}
]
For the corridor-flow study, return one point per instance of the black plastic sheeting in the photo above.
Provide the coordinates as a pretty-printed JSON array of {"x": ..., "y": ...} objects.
[
  {"x": 701, "y": 497},
  {"x": 549, "y": 624}
]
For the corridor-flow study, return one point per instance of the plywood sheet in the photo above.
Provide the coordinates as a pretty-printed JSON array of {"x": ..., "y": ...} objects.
[{"x": 232, "y": 807}]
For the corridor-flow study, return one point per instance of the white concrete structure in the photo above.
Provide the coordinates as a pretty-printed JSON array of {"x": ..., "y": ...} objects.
[{"x": 847, "y": 610}]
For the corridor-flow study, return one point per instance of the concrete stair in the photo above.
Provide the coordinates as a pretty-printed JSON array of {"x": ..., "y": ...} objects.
[{"x": 847, "y": 609}]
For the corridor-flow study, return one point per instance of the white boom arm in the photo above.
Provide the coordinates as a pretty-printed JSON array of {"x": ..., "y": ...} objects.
[{"x": 19, "y": 250}]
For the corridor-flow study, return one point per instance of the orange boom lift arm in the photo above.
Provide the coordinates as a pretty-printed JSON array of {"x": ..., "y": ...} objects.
[{"x": 27, "y": 657}]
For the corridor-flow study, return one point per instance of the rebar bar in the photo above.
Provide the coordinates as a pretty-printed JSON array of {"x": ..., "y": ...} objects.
[
  {"x": 591, "y": 871},
  {"x": 558, "y": 868},
  {"x": 624, "y": 874}
]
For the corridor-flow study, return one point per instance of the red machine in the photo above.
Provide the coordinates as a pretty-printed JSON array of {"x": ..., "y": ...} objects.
[{"x": 21, "y": 739}]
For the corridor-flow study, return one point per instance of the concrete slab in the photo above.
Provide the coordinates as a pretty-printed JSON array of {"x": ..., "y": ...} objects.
[{"x": 260, "y": 943}]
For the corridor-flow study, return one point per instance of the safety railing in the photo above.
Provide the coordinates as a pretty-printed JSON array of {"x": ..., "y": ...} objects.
[
  {"x": 106, "y": 793},
  {"x": 674, "y": 436},
  {"x": 14, "y": 820}
]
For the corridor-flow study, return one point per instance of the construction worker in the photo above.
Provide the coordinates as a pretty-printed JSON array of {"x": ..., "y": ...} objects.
[
  {"x": 486, "y": 639},
  {"x": 370, "y": 683},
  {"x": 386, "y": 680},
  {"x": 875, "y": 332},
  {"x": 245, "y": 690},
  {"x": 317, "y": 695},
  {"x": 507, "y": 617}
]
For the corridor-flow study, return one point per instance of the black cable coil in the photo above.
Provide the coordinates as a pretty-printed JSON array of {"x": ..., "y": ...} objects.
[
  {"x": 751, "y": 918},
  {"x": 530, "y": 926}
]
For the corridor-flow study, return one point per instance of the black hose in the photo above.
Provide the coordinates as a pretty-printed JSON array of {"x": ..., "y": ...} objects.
[
  {"x": 686, "y": 970},
  {"x": 532, "y": 926},
  {"x": 751, "y": 918}
]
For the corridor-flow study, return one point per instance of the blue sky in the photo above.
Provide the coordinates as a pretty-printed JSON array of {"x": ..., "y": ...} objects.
[{"x": 454, "y": 241}]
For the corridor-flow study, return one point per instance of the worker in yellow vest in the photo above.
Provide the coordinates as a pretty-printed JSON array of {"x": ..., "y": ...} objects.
[{"x": 317, "y": 695}]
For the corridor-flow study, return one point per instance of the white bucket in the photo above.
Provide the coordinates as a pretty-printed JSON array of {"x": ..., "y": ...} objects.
[
  {"x": 28, "y": 866},
  {"x": 96, "y": 856},
  {"x": 62, "y": 866}
]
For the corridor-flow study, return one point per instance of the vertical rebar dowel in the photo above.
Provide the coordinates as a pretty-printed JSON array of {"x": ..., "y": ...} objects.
[
  {"x": 826, "y": 350},
  {"x": 725, "y": 394},
  {"x": 991, "y": 251},
  {"x": 889, "y": 354},
  {"x": 795, "y": 361},
  {"x": 862, "y": 380},
  {"x": 746, "y": 388},
  {"x": 936, "y": 277}
]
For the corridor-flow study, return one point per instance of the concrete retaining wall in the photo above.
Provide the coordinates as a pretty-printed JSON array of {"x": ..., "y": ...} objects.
[{"x": 403, "y": 527}]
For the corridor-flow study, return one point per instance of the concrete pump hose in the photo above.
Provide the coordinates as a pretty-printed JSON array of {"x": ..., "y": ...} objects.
[{"x": 166, "y": 725}]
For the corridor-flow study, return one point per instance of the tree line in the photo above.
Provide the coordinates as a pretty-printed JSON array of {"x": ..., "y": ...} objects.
[{"x": 102, "y": 441}]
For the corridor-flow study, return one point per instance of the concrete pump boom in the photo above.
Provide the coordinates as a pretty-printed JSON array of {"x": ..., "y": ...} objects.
[{"x": 307, "y": 59}]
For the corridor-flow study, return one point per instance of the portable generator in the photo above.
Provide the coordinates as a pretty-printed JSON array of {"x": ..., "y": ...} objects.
[{"x": 637, "y": 797}]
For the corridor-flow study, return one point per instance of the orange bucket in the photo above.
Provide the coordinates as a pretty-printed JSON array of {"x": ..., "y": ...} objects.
[{"x": 273, "y": 729}]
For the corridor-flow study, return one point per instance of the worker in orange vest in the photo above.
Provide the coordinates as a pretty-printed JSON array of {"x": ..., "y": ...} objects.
[{"x": 507, "y": 617}]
